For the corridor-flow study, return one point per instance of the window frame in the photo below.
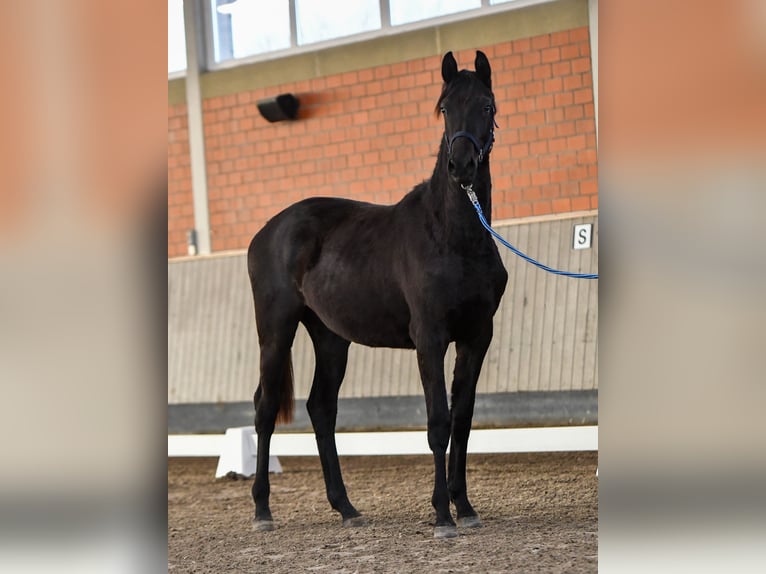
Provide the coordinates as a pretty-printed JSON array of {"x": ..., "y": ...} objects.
[{"x": 386, "y": 29}]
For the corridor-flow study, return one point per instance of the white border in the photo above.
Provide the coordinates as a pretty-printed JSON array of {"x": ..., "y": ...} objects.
[{"x": 547, "y": 439}]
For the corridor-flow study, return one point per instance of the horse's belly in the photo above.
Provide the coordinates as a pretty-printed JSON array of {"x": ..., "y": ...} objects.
[{"x": 360, "y": 313}]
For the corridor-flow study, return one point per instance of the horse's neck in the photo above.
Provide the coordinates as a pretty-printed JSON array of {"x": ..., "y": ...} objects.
[{"x": 451, "y": 206}]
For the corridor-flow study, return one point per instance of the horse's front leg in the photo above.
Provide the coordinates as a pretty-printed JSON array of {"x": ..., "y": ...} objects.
[
  {"x": 430, "y": 352},
  {"x": 470, "y": 356}
]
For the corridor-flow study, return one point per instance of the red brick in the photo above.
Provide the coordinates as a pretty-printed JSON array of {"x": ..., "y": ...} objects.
[
  {"x": 567, "y": 159},
  {"x": 531, "y": 193},
  {"x": 583, "y": 96},
  {"x": 520, "y": 150},
  {"x": 576, "y": 142},
  {"x": 577, "y": 172},
  {"x": 574, "y": 112},
  {"x": 528, "y": 134},
  {"x": 546, "y": 131},
  {"x": 522, "y": 45},
  {"x": 551, "y": 54},
  {"x": 522, "y": 210},
  {"x": 551, "y": 190},
  {"x": 522, "y": 180},
  {"x": 589, "y": 187},
  {"x": 512, "y": 195},
  {"x": 382, "y": 72},
  {"x": 560, "y": 38},
  {"x": 365, "y": 75},
  {"x": 517, "y": 121},
  {"x": 503, "y": 49},
  {"x": 561, "y": 68},
  {"x": 557, "y": 144},
  {"x": 561, "y": 205},
  {"x": 529, "y": 164},
  {"x": 414, "y": 66},
  {"x": 563, "y": 99},
  {"x": 522, "y": 75},
  {"x": 559, "y": 175},
  {"x": 570, "y": 52},
  {"x": 587, "y": 156},
  {"x": 578, "y": 34},
  {"x": 580, "y": 203},
  {"x": 553, "y": 84},
  {"x": 572, "y": 82},
  {"x": 549, "y": 162},
  {"x": 536, "y": 118},
  {"x": 570, "y": 188},
  {"x": 544, "y": 102},
  {"x": 541, "y": 208},
  {"x": 538, "y": 147},
  {"x": 515, "y": 91},
  {"x": 541, "y": 72},
  {"x": 526, "y": 104},
  {"x": 565, "y": 129},
  {"x": 541, "y": 178},
  {"x": 531, "y": 58},
  {"x": 399, "y": 68},
  {"x": 539, "y": 42},
  {"x": 533, "y": 88},
  {"x": 581, "y": 65}
]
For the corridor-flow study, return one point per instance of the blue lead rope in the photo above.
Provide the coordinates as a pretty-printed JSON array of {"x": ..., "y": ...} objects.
[{"x": 475, "y": 202}]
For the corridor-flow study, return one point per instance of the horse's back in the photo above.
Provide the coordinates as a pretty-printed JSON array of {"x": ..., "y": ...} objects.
[{"x": 291, "y": 239}]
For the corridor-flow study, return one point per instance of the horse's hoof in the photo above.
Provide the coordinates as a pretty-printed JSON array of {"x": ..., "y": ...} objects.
[
  {"x": 448, "y": 531},
  {"x": 263, "y": 525},
  {"x": 469, "y": 522},
  {"x": 354, "y": 521}
]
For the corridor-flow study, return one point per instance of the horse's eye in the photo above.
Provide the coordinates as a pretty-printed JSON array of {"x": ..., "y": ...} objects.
[
  {"x": 489, "y": 108},
  {"x": 443, "y": 110}
]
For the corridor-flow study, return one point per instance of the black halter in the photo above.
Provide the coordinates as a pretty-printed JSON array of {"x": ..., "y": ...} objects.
[{"x": 482, "y": 149}]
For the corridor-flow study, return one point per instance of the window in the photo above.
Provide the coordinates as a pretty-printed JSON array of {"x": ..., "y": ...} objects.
[
  {"x": 176, "y": 37},
  {"x": 237, "y": 29},
  {"x": 405, "y": 11},
  {"x": 247, "y": 27},
  {"x": 319, "y": 20}
]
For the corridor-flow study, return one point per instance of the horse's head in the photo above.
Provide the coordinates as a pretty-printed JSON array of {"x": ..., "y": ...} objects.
[{"x": 468, "y": 107}]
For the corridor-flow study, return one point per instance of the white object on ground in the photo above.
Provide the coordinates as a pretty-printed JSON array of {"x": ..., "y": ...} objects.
[{"x": 237, "y": 448}]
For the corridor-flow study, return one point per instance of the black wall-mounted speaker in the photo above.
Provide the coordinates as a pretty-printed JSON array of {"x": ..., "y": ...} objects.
[{"x": 282, "y": 107}]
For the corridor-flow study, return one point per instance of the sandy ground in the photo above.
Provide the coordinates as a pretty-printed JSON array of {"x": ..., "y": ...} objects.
[{"x": 540, "y": 514}]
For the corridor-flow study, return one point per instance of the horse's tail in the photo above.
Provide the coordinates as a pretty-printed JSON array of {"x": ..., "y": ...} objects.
[{"x": 286, "y": 394}]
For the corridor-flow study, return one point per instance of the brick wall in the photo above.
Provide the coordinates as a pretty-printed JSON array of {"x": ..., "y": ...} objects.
[
  {"x": 372, "y": 135},
  {"x": 180, "y": 210}
]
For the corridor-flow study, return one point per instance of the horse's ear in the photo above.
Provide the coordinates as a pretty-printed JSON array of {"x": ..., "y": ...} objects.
[
  {"x": 449, "y": 68},
  {"x": 483, "y": 70}
]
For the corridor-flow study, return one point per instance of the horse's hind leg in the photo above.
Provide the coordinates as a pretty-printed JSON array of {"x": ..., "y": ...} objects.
[
  {"x": 331, "y": 357},
  {"x": 470, "y": 356},
  {"x": 276, "y": 329}
]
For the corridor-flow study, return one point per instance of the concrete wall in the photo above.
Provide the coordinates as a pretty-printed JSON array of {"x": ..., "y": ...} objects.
[{"x": 545, "y": 329}]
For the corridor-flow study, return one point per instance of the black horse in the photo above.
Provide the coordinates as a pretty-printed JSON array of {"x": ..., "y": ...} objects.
[{"x": 418, "y": 274}]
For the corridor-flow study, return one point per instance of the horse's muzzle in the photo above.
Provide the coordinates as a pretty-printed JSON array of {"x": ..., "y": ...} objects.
[{"x": 462, "y": 168}]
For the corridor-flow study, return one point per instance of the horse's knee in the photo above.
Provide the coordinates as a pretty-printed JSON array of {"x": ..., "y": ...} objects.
[{"x": 438, "y": 434}]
